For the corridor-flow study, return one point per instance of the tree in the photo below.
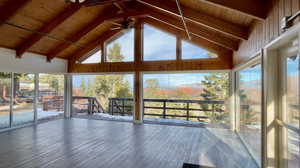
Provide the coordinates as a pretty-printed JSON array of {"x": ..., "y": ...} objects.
[
  {"x": 114, "y": 53},
  {"x": 82, "y": 85},
  {"x": 152, "y": 87},
  {"x": 216, "y": 88}
]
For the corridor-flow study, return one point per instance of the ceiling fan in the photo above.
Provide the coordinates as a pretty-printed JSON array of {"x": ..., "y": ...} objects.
[
  {"x": 126, "y": 23},
  {"x": 95, "y": 2}
]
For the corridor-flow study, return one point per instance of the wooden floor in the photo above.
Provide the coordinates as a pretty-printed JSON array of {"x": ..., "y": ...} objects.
[{"x": 108, "y": 144}]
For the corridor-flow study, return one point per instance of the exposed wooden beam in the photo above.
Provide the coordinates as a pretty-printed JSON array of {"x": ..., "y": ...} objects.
[
  {"x": 223, "y": 53},
  {"x": 211, "y": 22},
  {"x": 256, "y": 9},
  {"x": 108, "y": 14},
  {"x": 157, "y": 66},
  {"x": 97, "y": 43},
  {"x": 9, "y": 9},
  {"x": 59, "y": 19},
  {"x": 196, "y": 29}
]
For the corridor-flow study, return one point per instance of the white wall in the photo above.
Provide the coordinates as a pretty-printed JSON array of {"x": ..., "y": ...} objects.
[{"x": 30, "y": 63}]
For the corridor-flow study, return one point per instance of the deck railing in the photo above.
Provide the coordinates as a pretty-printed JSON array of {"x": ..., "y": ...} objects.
[
  {"x": 159, "y": 108},
  {"x": 124, "y": 106},
  {"x": 88, "y": 105}
]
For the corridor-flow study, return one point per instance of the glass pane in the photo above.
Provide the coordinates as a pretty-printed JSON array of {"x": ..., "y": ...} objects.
[
  {"x": 293, "y": 149},
  {"x": 51, "y": 96},
  {"x": 122, "y": 48},
  {"x": 191, "y": 51},
  {"x": 292, "y": 110},
  {"x": 95, "y": 58},
  {"x": 292, "y": 95},
  {"x": 23, "y": 110},
  {"x": 250, "y": 108},
  {"x": 187, "y": 98},
  {"x": 158, "y": 45},
  {"x": 103, "y": 96},
  {"x": 5, "y": 86}
]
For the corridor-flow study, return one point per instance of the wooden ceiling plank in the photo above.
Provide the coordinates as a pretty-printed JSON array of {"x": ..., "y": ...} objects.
[
  {"x": 224, "y": 53},
  {"x": 257, "y": 9},
  {"x": 211, "y": 22},
  {"x": 10, "y": 9},
  {"x": 112, "y": 14},
  {"x": 195, "y": 29},
  {"x": 96, "y": 43},
  {"x": 47, "y": 28}
]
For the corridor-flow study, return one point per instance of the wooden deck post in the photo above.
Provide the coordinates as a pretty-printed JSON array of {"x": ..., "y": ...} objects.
[{"x": 138, "y": 56}]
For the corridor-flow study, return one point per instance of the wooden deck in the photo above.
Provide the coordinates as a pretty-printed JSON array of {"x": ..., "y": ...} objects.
[{"x": 108, "y": 144}]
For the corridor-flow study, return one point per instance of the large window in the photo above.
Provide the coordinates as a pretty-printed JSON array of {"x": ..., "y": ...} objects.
[
  {"x": 158, "y": 45},
  {"x": 249, "y": 97},
  {"x": 5, "y": 99},
  {"x": 191, "y": 51},
  {"x": 192, "y": 98},
  {"x": 103, "y": 96},
  {"x": 24, "y": 92},
  {"x": 51, "y": 96},
  {"x": 121, "y": 49}
]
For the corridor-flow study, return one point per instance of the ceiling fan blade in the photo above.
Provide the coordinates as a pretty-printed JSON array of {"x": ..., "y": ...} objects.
[
  {"x": 115, "y": 23},
  {"x": 115, "y": 28}
]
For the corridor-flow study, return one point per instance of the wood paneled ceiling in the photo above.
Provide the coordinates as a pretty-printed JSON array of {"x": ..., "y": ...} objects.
[{"x": 58, "y": 29}]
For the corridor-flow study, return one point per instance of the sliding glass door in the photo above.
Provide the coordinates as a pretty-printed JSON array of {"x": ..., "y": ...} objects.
[
  {"x": 24, "y": 93},
  {"x": 5, "y": 99}
]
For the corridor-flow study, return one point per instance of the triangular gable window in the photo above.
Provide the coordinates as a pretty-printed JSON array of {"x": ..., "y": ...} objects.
[
  {"x": 121, "y": 49},
  {"x": 191, "y": 51},
  {"x": 158, "y": 45},
  {"x": 94, "y": 58}
]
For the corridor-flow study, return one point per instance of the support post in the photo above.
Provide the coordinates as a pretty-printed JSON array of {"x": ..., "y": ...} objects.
[
  {"x": 68, "y": 96},
  {"x": 138, "y": 97},
  {"x": 36, "y": 96},
  {"x": 138, "y": 86}
]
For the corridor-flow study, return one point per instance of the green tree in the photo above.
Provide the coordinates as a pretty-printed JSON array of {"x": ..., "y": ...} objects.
[
  {"x": 82, "y": 85},
  {"x": 114, "y": 53},
  {"x": 216, "y": 88}
]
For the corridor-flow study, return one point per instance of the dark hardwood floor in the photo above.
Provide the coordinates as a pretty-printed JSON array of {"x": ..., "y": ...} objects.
[{"x": 108, "y": 144}]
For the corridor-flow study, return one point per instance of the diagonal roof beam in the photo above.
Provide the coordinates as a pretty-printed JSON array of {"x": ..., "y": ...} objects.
[
  {"x": 196, "y": 29},
  {"x": 9, "y": 9},
  {"x": 211, "y": 22},
  {"x": 223, "y": 53},
  {"x": 256, "y": 9},
  {"x": 55, "y": 22},
  {"x": 110, "y": 14},
  {"x": 94, "y": 44}
]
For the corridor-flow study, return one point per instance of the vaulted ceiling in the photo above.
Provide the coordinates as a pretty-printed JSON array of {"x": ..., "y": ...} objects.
[{"x": 56, "y": 28}]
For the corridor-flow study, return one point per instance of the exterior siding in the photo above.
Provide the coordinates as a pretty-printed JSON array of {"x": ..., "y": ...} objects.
[{"x": 261, "y": 33}]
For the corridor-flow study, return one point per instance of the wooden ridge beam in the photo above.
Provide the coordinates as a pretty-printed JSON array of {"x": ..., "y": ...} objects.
[
  {"x": 94, "y": 44},
  {"x": 211, "y": 22},
  {"x": 10, "y": 9},
  {"x": 197, "y": 30},
  {"x": 55, "y": 22},
  {"x": 109, "y": 14},
  {"x": 256, "y": 9},
  {"x": 223, "y": 53}
]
